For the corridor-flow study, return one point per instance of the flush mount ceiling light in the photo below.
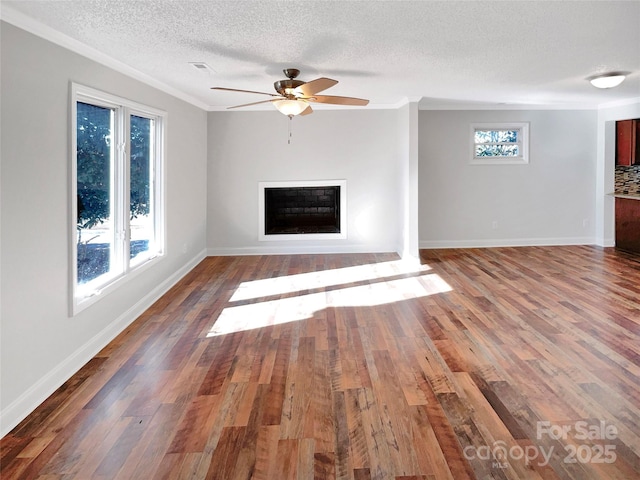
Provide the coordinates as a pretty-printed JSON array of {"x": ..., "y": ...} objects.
[{"x": 607, "y": 80}]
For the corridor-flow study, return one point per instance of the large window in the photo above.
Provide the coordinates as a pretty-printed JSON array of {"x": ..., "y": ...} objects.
[
  {"x": 117, "y": 193},
  {"x": 499, "y": 144}
]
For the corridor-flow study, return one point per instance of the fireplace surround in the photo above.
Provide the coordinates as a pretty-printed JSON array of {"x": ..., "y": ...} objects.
[{"x": 302, "y": 210}]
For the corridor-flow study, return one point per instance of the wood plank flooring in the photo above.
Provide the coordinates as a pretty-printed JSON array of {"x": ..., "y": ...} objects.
[{"x": 507, "y": 363}]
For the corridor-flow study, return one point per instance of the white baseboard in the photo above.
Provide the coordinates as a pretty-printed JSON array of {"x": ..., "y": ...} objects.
[
  {"x": 17, "y": 410},
  {"x": 606, "y": 242},
  {"x": 298, "y": 250},
  {"x": 506, "y": 242}
]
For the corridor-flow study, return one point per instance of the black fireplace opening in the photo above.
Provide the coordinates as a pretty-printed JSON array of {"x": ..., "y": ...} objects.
[{"x": 293, "y": 210}]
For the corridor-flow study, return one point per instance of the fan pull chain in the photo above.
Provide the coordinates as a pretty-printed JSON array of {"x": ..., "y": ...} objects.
[{"x": 290, "y": 130}]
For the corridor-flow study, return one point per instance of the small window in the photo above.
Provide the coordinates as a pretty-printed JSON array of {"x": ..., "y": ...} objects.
[
  {"x": 116, "y": 191},
  {"x": 499, "y": 144}
]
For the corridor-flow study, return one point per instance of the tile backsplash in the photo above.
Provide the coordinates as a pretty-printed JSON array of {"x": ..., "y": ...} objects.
[{"x": 628, "y": 180}]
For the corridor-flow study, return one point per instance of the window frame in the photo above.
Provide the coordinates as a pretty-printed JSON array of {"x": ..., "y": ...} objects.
[
  {"x": 523, "y": 144},
  {"x": 82, "y": 296}
]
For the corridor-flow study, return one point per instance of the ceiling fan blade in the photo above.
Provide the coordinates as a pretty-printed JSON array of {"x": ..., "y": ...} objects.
[
  {"x": 255, "y": 103},
  {"x": 315, "y": 86},
  {"x": 244, "y": 91},
  {"x": 307, "y": 110},
  {"x": 337, "y": 100}
]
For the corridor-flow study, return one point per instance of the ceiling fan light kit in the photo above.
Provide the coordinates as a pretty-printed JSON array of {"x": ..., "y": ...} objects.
[
  {"x": 291, "y": 107},
  {"x": 294, "y": 96}
]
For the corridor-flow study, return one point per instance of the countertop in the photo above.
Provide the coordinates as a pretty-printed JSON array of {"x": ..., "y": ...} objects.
[{"x": 626, "y": 195}]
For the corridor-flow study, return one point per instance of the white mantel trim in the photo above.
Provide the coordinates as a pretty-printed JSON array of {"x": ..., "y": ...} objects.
[{"x": 309, "y": 236}]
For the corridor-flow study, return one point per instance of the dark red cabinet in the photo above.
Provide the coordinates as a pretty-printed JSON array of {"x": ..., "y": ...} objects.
[
  {"x": 628, "y": 224},
  {"x": 628, "y": 142}
]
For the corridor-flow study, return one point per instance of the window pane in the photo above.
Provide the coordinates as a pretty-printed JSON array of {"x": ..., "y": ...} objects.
[
  {"x": 496, "y": 136},
  {"x": 94, "y": 218},
  {"x": 497, "y": 150},
  {"x": 141, "y": 187}
]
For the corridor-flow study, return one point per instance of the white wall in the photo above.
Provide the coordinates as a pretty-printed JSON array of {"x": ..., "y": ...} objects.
[
  {"x": 605, "y": 173},
  {"x": 248, "y": 147},
  {"x": 41, "y": 345},
  {"x": 408, "y": 177},
  {"x": 549, "y": 201}
]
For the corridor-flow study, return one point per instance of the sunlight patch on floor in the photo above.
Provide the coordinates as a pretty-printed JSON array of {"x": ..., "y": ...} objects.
[
  {"x": 325, "y": 278},
  {"x": 274, "y": 312}
]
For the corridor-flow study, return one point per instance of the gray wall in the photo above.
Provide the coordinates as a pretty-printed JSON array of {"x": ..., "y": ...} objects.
[
  {"x": 549, "y": 201},
  {"x": 41, "y": 345},
  {"x": 360, "y": 146}
]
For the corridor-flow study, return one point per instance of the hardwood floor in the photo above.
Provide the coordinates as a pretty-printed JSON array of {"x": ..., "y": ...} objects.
[{"x": 481, "y": 363}]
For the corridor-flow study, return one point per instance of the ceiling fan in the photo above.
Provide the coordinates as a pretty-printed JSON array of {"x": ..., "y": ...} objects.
[{"x": 294, "y": 96}]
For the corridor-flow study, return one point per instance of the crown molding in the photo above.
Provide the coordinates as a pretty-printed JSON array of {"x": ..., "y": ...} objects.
[
  {"x": 619, "y": 103},
  {"x": 508, "y": 106}
]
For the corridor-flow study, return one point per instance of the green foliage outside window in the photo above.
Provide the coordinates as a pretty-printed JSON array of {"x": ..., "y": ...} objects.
[
  {"x": 496, "y": 143},
  {"x": 94, "y": 152},
  {"x": 93, "y": 164}
]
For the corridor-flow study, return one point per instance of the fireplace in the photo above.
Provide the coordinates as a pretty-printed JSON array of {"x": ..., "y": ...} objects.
[{"x": 302, "y": 210}]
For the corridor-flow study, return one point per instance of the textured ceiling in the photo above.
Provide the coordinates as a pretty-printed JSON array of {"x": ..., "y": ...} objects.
[{"x": 445, "y": 53}]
